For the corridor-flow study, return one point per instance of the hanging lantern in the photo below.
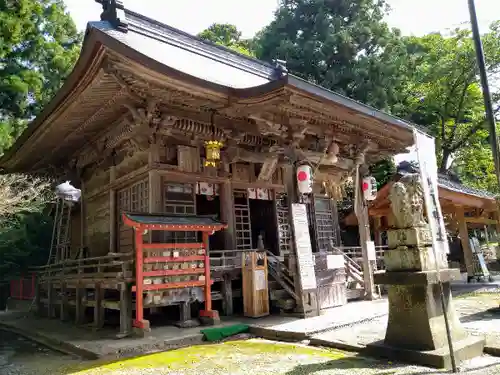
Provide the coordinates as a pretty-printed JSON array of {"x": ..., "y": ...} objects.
[
  {"x": 369, "y": 187},
  {"x": 212, "y": 153},
  {"x": 212, "y": 147},
  {"x": 304, "y": 179}
]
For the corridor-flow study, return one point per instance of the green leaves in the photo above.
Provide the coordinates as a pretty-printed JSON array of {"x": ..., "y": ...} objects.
[
  {"x": 342, "y": 45},
  {"x": 39, "y": 45},
  {"x": 227, "y": 35},
  {"x": 444, "y": 95}
]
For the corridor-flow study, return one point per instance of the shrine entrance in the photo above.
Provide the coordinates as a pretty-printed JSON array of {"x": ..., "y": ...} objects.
[{"x": 263, "y": 222}]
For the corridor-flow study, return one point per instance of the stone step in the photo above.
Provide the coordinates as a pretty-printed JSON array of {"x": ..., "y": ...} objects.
[
  {"x": 355, "y": 294},
  {"x": 279, "y": 294},
  {"x": 273, "y": 285},
  {"x": 286, "y": 304}
]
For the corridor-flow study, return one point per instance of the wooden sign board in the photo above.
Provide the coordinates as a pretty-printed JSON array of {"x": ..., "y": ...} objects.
[
  {"x": 372, "y": 253},
  {"x": 335, "y": 262},
  {"x": 305, "y": 258}
]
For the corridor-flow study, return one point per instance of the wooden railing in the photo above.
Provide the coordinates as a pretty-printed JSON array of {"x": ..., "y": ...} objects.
[
  {"x": 354, "y": 271},
  {"x": 221, "y": 260},
  {"x": 281, "y": 274},
  {"x": 355, "y": 254},
  {"x": 110, "y": 266}
]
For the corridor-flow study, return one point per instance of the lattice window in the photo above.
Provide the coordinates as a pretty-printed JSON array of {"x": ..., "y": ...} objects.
[
  {"x": 134, "y": 198},
  {"x": 282, "y": 216},
  {"x": 179, "y": 199},
  {"x": 323, "y": 214},
  {"x": 243, "y": 228}
]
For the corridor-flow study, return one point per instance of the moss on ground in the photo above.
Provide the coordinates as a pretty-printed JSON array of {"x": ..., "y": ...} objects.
[{"x": 225, "y": 357}]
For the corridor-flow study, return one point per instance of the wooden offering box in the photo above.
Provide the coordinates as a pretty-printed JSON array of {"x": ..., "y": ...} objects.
[{"x": 255, "y": 286}]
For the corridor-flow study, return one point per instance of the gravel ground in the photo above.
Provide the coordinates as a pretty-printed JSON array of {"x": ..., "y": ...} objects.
[{"x": 252, "y": 356}]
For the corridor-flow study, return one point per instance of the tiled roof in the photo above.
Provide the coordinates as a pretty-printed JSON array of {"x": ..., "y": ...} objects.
[
  {"x": 445, "y": 181},
  {"x": 173, "y": 220},
  {"x": 448, "y": 183}
]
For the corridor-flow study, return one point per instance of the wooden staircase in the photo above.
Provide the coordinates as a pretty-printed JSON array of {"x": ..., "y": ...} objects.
[
  {"x": 281, "y": 284},
  {"x": 354, "y": 277}
]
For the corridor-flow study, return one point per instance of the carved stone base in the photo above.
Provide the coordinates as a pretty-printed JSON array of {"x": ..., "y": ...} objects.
[
  {"x": 419, "y": 237},
  {"x": 416, "y": 330},
  {"x": 416, "y": 318},
  {"x": 416, "y": 278},
  {"x": 405, "y": 258},
  {"x": 464, "y": 350}
]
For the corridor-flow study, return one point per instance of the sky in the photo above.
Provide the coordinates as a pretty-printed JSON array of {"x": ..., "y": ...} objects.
[{"x": 410, "y": 16}]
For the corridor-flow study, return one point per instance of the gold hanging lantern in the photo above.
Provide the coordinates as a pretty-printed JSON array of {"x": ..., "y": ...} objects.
[
  {"x": 212, "y": 153},
  {"x": 212, "y": 147}
]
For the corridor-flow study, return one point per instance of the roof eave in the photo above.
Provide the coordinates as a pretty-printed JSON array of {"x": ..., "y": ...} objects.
[{"x": 347, "y": 102}]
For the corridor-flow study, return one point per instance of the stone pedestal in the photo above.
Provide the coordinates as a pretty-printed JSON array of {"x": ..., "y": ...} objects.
[{"x": 416, "y": 330}]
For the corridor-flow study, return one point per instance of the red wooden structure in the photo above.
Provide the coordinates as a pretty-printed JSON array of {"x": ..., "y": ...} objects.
[
  {"x": 23, "y": 288},
  {"x": 144, "y": 222}
]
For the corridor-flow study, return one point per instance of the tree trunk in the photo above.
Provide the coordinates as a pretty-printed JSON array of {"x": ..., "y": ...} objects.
[{"x": 444, "y": 161}]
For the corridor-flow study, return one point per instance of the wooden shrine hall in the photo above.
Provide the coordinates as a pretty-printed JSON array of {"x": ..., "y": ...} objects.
[{"x": 185, "y": 153}]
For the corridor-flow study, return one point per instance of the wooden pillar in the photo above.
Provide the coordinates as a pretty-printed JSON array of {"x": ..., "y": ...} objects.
[
  {"x": 364, "y": 237},
  {"x": 63, "y": 312},
  {"x": 464, "y": 239},
  {"x": 50, "y": 300},
  {"x": 377, "y": 225},
  {"x": 208, "y": 315},
  {"x": 112, "y": 212},
  {"x": 185, "y": 311},
  {"x": 125, "y": 310},
  {"x": 79, "y": 308},
  {"x": 38, "y": 290},
  {"x": 227, "y": 295},
  {"x": 99, "y": 306},
  {"x": 154, "y": 179},
  {"x": 83, "y": 221},
  {"x": 307, "y": 303},
  {"x": 497, "y": 225},
  {"x": 139, "y": 283},
  {"x": 227, "y": 214},
  {"x": 291, "y": 193}
]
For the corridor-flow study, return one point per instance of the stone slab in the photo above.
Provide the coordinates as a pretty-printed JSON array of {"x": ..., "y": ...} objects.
[
  {"x": 415, "y": 278},
  {"x": 466, "y": 349},
  {"x": 418, "y": 237}
]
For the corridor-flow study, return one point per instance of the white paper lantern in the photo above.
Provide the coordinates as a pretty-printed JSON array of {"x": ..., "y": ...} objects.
[
  {"x": 304, "y": 179},
  {"x": 369, "y": 187}
]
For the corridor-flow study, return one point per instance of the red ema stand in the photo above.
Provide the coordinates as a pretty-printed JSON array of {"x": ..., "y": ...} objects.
[{"x": 144, "y": 222}]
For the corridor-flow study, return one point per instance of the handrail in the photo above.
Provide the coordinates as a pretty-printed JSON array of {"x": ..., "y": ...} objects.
[
  {"x": 276, "y": 269},
  {"x": 83, "y": 260},
  {"x": 353, "y": 269}
]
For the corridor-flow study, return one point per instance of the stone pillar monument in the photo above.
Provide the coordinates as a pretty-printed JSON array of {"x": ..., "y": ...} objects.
[{"x": 416, "y": 329}]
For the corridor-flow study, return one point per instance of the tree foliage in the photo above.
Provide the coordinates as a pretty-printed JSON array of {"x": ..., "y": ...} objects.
[
  {"x": 227, "y": 35},
  {"x": 39, "y": 44},
  {"x": 342, "y": 45},
  {"x": 444, "y": 95}
]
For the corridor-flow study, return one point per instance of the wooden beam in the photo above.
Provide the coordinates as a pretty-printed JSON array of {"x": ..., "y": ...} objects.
[
  {"x": 112, "y": 212},
  {"x": 464, "y": 239},
  {"x": 364, "y": 237},
  {"x": 377, "y": 230},
  {"x": 464, "y": 199},
  {"x": 480, "y": 220}
]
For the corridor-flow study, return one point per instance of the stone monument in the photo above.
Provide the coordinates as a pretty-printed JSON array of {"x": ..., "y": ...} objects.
[{"x": 416, "y": 329}]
